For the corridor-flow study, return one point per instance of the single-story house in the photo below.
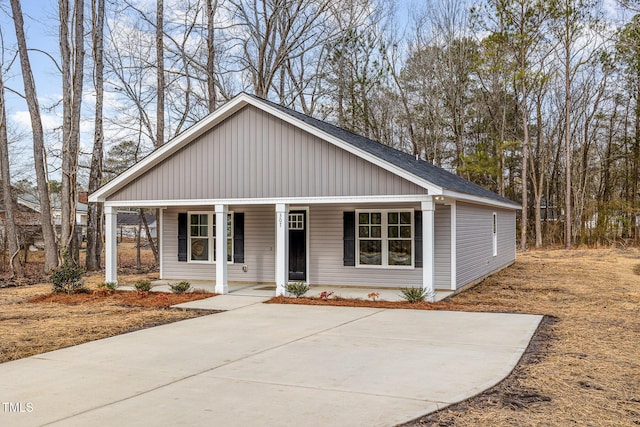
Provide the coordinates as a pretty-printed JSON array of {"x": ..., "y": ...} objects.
[{"x": 303, "y": 200}]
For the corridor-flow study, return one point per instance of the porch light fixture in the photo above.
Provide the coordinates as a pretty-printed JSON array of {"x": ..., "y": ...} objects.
[{"x": 439, "y": 198}]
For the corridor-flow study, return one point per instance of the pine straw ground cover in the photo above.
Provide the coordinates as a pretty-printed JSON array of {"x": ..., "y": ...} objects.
[
  {"x": 33, "y": 321},
  {"x": 583, "y": 365}
]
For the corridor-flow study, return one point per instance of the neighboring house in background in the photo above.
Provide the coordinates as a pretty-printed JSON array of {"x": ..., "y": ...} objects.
[
  {"x": 27, "y": 222},
  {"x": 56, "y": 211},
  {"x": 301, "y": 199},
  {"x": 129, "y": 222}
]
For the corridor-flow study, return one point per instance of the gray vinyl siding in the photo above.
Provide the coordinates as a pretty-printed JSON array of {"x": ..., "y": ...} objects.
[
  {"x": 259, "y": 248},
  {"x": 442, "y": 249},
  {"x": 326, "y": 254},
  {"x": 474, "y": 241},
  {"x": 253, "y": 154},
  {"x": 474, "y": 247}
]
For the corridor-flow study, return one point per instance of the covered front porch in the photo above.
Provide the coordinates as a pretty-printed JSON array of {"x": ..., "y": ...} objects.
[{"x": 268, "y": 245}]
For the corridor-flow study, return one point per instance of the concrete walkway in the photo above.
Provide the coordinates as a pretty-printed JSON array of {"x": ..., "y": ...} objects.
[{"x": 270, "y": 365}]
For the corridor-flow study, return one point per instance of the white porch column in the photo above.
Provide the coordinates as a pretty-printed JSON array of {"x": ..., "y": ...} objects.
[
  {"x": 428, "y": 249},
  {"x": 454, "y": 246},
  {"x": 111, "y": 244},
  {"x": 282, "y": 248},
  {"x": 222, "y": 285}
]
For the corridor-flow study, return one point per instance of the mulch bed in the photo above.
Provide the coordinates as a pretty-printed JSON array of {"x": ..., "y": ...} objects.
[
  {"x": 354, "y": 302},
  {"x": 123, "y": 298}
]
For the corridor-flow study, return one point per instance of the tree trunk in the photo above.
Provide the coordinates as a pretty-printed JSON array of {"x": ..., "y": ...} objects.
[
  {"x": 212, "y": 5},
  {"x": 160, "y": 77},
  {"x": 11, "y": 233},
  {"x": 152, "y": 245},
  {"x": 525, "y": 158},
  {"x": 567, "y": 144},
  {"x": 72, "y": 57},
  {"x": 94, "y": 214},
  {"x": 138, "y": 234},
  {"x": 50, "y": 245}
]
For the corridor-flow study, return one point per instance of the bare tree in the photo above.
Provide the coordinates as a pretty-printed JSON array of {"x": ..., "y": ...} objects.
[
  {"x": 212, "y": 98},
  {"x": 51, "y": 250},
  {"x": 94, "y": 214},
  {"x": 72, "y": 57},
  {"x": 11, "y": 232},
  {"x": 276, "y": 31},
  {"x": 574, "y": 19},
  {"x": 160, "y": 73}
]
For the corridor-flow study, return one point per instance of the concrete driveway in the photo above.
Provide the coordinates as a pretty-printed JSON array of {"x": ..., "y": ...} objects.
[{"x": 269, "y": 365}]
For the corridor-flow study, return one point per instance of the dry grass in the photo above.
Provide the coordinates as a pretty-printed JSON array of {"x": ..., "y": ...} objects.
[{"x": 33, "y": 321}]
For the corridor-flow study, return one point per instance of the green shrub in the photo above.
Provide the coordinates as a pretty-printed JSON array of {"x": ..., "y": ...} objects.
[
  {"x": 143, "y": 285},
  {"x": 109, "y": 286},
  {"x": 67, "y": 278},
  {"x": 180, "y": 287},
  {"x": 414, "y": 295},
  {"x": 297, "y": 288}
]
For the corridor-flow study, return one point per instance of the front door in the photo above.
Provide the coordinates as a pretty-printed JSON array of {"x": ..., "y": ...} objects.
[{"x": 297, "y": 246}]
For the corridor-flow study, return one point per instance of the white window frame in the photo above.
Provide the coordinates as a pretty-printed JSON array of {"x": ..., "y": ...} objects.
[
  {"x": 211, "y": 236},
  {"x": 384, "y": 238},
  {"x": 494, "y": 219}
]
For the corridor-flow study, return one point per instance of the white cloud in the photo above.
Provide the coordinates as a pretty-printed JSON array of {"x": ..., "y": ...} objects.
[{"x": 23, "y": 120}]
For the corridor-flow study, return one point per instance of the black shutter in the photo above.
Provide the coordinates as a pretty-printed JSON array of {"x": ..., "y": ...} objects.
[
  {"x": 349, "y": 238},
  {"x": 182, "y": 237},
  {"x": 417, "y": 237},
  {"x": 238, "y": 237}
]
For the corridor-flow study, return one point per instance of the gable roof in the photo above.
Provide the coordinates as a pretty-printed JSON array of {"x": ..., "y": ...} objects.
[
  {"x": 421, "y": 168},
  {"x": 435, "y": 179}
]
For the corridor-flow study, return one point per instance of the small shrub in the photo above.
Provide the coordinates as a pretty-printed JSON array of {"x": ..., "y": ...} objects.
[
  {"x": 297, "y": 288},
  {"x": 373, "y": 296},
  {"x": 143, "y": 285},
  {"x": 67, "y": 278},
  {"x": 109, "y": 286},
  {"x": 414, "y": 295},
  {"x": 180, "y": 287}
]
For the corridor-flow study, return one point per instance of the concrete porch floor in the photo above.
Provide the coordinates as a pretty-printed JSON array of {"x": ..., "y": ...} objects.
[{"x": 268, "y": 290}]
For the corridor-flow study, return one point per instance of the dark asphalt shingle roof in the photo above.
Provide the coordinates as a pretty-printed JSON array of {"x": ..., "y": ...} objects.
[{"x": 406, "y": 161}]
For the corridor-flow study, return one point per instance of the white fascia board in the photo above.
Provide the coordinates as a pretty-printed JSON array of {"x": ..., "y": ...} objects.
[
  {"x": 268, "y": 201},
  {"x": 170, "y": 147},
  {"x": 463, "y": 197}
]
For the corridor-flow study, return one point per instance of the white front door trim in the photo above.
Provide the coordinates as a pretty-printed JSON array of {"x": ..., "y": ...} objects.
[{"x": 306, "y": 235}]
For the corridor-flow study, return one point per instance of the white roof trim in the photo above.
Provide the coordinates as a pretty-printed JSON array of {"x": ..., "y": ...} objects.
[
  {"x": 270, "y": 201},
  {"x": 463, "y": 197},
  {"x": 237, "y": 104}
]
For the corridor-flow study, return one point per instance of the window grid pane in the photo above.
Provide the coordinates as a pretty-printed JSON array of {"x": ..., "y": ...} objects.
[
  {"x": 296, "y": 221},
  {"x": 388, "y": 242}
]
